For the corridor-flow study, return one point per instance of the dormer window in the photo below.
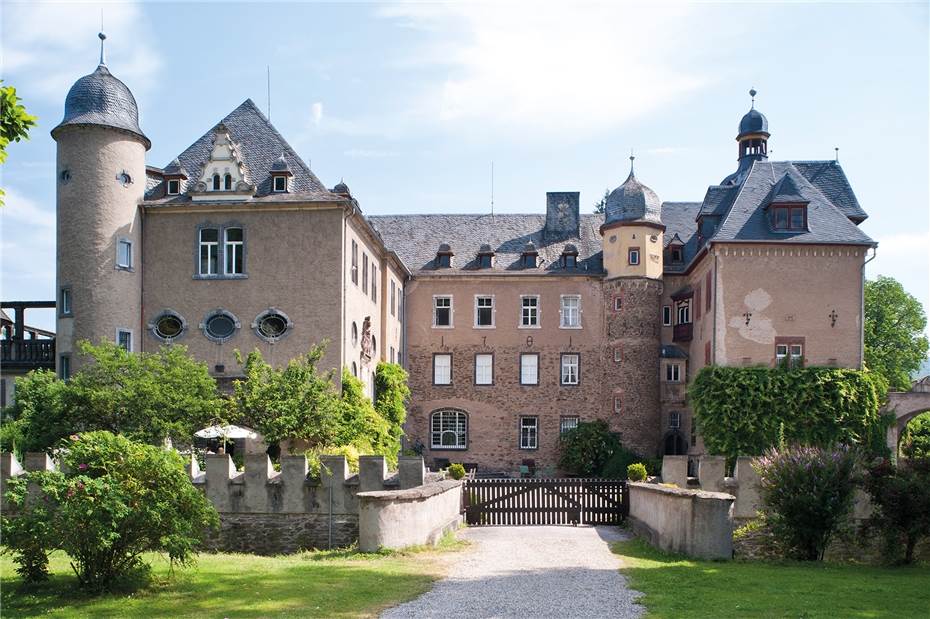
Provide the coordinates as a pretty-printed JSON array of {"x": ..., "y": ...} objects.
[
  {"x": 216, "y": 182},
  {"x": 280, "y": 183},
  {"x": 676, "y": 254},
  {"x": 529, "y": 258},
  {"x": 444, "y": 257},
  {"x": 174, "y": 187},
  {"x": 791, "y": 218},
  {"x": 570, "y": 257},
  {"x": 485, "y": 257}
]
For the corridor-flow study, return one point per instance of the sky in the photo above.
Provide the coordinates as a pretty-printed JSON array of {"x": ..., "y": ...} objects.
[{"x": 410, "y": 103}]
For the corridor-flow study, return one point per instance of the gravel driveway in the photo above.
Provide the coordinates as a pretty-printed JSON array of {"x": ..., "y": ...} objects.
[{"x": 554, "y": 571}]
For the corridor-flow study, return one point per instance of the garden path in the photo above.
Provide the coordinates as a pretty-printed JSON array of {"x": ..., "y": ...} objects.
[{"x": 541, "y": 571}]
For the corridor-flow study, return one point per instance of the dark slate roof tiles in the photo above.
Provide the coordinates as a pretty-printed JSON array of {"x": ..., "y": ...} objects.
[
  {"x": 829, "y": 178},
  {"x": 679, "y": 219}
]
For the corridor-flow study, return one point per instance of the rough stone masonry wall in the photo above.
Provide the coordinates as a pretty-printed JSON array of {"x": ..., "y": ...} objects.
[{"x": 264, "y": 511}]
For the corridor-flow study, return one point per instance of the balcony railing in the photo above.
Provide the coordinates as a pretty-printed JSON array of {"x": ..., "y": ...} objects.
[
  {"x": 682, "y": 332},
  {"x": 27, "y": 354}
]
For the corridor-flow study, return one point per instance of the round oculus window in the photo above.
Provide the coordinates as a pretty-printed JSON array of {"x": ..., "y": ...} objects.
[
  {"x": 220, "y": 326},
  {"x": 168, "y": 327},
  {"x": 272, "y": 326}
]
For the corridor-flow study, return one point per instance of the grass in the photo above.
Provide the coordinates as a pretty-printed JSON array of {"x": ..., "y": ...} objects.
[
  {"x": 676, "y": 586},
  {"x": 339, "y": 583}
]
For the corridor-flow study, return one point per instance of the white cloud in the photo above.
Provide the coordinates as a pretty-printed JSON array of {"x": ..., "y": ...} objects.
[
  {"x": 47, "y": 44},
  {"x": 316, "y": 112},
  {"x": 28, "y": 246},
  {"x": 905, "y": 256},
  {"x": 550, "y": 67},
  {"x": 24, "y": 211}
]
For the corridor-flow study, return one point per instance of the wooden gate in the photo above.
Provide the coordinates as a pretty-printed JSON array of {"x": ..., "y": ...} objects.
[{"x": 544, "y": 501}]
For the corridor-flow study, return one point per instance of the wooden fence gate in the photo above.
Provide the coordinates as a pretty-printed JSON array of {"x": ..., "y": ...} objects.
[{"x": 544, "y": 501}]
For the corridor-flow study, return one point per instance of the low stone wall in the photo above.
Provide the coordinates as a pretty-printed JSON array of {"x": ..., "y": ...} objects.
[
  {"x": 690, "y": 522},
  {"x": 411, "y": 517}
]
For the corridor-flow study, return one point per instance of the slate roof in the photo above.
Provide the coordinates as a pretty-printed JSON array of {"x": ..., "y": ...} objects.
[
  {"x": 260, "y": 146},
  {"x": 416, "y": 239},
  {"x": 753, "y": 121},
  {"x": 829, "y": 178},
  {"x": 680, "y": 219},
  {"x": 102, "y": 99},
  {"x": 747, "y": 219},
  {"x": 633, "y": 202}
]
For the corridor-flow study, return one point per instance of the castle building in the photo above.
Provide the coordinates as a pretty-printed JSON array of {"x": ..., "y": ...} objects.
[{"x": 514, "y": 327}]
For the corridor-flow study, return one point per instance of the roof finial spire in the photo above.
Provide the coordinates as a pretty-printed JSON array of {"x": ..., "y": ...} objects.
[
  {"x": 632, "y": 157},
  {"x": 103, "y": 37},
  {"x": 752, "y": 93},
  {"x": 836, "y": 157}
]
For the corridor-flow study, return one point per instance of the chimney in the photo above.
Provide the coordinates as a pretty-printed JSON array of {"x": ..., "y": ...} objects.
[{"x": 562, "y": 216}]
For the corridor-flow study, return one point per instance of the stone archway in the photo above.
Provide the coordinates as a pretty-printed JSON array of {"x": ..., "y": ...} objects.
[{"x": 906, "y": 405}]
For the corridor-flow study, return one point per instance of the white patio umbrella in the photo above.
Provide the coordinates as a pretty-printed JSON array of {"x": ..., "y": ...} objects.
[{"x": 227, "y": 432}]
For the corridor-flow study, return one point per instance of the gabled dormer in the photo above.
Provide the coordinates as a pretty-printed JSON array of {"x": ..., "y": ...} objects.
[
  {"x": 675, "y": 250},
  {"x": 280, "y": 175},
  {"x": 174, "y": 176},
  {"x": 785, "y": 207},
  {"x": 224, "y": 175}
]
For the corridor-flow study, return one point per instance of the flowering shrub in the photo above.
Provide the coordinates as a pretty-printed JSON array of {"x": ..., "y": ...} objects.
[
  {"x": 113, "y": 500},
  {"x": 807, "y": 493},
  {"x": 900, "y": 498}
]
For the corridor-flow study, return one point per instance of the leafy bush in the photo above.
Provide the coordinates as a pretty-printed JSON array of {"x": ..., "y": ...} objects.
[
  {"x": 586, "y": 448},
  {"x": 616, "y": 466},
  {"x": 456, "y": 471},
  {"x": 636, "y": 472},
  {"x": 118, "y": 499},
  {"x": 807, "y": 494},
  {"x": 145, "y": 396},
  {"x": 391, "y": 395},
  {"x": 741, "y": 410},
  {"x": 915, "y": 442},
  {"x": 314, "y": 463},
  {"x": 900, "y": 498}
]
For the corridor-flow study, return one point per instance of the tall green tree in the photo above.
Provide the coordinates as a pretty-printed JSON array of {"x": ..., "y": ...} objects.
[
  {"x": 601, "y": 205},
  {"x": 895, "y": 344},
  {"x": 915, "y": 442},
  {"x": 15, "y": 122}
]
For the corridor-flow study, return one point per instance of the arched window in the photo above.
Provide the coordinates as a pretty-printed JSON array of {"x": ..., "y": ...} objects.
[
  {"x": 227, "y": 182},
  {"x": 354, "y": 334},
  {"x": 354, "y": 370},
  {"x": 216, "y": 182},
  {"x": 449, "y": 429}
]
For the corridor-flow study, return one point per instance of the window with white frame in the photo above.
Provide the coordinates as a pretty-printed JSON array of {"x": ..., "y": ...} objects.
[
  {"x": 570, "y": 312},
  {"x": 124, "y": 339},
  {"x": 529, "y": 368},
  {"x": 618, "y": 354},
  {"x": 618, "y": 404},
  {"x": 567, "y": 423},
  {"x": 449, "y": 430},
  {"x": 354, "y": 262},
  {"x": 64, "y": 301},
  {"x": 393, "y": 298},
  {"x": 442, "y": 311},
  {"x": 529, "y": 311},
  {"x": 674, "y": 420},
  {"x": 392, "y": 357},
  {"x": 442, "y": 369},
  {"x": 633, "y": 256},
  {"x": 666, "y": 315},
  {"x": 374, "y": 283},
  {"x": 174, "y": 187},
  {"x": 673, "y": 372},
  {"x": 529, "y": 432},
  {"x": 209, "y": 251},
  {"x": 64, "y": 367},
  {"x": 234, "y": 249},
  {"x": 684, "y": 312},
  {"x": 618, "y": 304},
  {"x": 364, "y": 273},
  {"x": 484, "y": 311},
  {"x": 124, "y": 254},
  {"x": 789, "y": 352},
  {"x": 484, "y": 369},
  {"x": 280, "y": 183},
  {"x": 571, "y": 368}
]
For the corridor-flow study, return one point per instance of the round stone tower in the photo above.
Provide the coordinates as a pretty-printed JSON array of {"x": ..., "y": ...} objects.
[
  {"x": 100, "y": 179},
  {"x": 632, "y": 242}
]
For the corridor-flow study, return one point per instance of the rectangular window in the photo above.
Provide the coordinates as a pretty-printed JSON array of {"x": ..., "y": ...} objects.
[
  {"x": 618, "y": 304},
  {"x": 618, "y": 354},
  {"x": 529, "y": 311},
  {"x": 174, "y": 187},
  {"x": 666, "y": 315},
  {"x": 280, "y": 183},
  {"x": 618, "y": 404},
  {"x": 633, "y": 256},
  {"x": 374, "y": 283},
  {"x": 673, "y": 372},
  {"x": 392, "y": 355},
  {"x": 484, "y": 311},
  {"x": 529, "y": 368},
  {"x": 235, "y": 251},
  {"x": 709, "y": 293},
  {"x": 124, "y": 254},
  {"x": 64, "y": 301},
  {"x": 789, "y": 218},
  {"x": 442, "y": 311},
  {"x": 697, "y": 303},
  {"x": 677, "y": 256},
  {"x": 209, "y": 251},
  {"x": 571, "y": 368},
  {"x": 567, "y": 423},
  {"x": 393, "y": 298},
  {"x": 674, "y": 420},
  {"x": 64, "y": 367},
  {"x": 124, "y": 339},
  {"x": 570, "y": 312},
  {"x": 797, "y": 219},
  {"x": 484, "y": 369},
  {"x": 790, "y": 350},
  {"x": 364, "y": 273},
  {"x": 529, "y": 432},
  {"x": 684, "y": 312},
  {"x": 354, "y": 262},
  {"x": 442, "y": 369}
]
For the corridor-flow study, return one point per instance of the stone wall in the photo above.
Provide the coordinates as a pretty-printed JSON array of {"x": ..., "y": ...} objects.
[
  {"x": 411, "y": 517},
  {"x": 690, "y": 522}
]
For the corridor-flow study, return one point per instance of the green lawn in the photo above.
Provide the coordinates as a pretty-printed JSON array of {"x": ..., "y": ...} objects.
[
  {"x": 678, "y": 587},
  {"x": 312, "y": 584}
]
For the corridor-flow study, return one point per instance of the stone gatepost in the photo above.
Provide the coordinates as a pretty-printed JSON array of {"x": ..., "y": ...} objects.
[{"x": 675, "y": 470}]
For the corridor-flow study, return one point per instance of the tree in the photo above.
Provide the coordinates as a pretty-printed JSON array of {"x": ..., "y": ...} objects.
[
  {"x": 900, "y": 499},
  {"x": 586, "y": 448},
  {"x": 601, "y": 205},
  {"x": 15, "y": 122},
  {"x": 146, "y": 396},
  {"x": 112, "y": 500},
  {"x": 915, "y": 443},
  {"x": 391, "y": 395},
  {"x": 895, "y": 344}
]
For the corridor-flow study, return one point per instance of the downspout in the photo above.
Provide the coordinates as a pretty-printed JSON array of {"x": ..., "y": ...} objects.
[
  {"x": 342, "y": 305},
  {"x": 862, "y": 309},
  {"x": 141, "y": 277},
  {"x": 713, "y": 337}
]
